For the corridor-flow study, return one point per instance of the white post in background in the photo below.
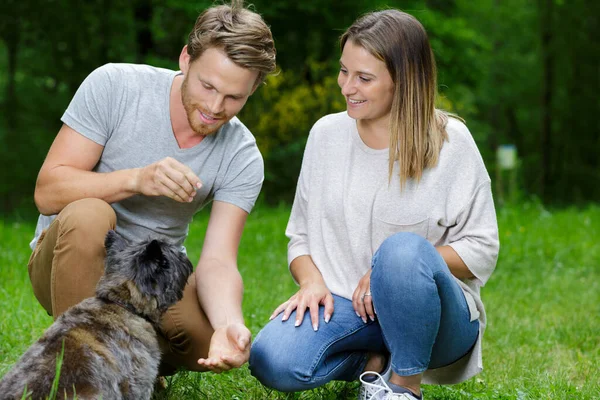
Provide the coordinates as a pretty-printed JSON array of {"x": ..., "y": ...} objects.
[{"x": 506, "y": 157}]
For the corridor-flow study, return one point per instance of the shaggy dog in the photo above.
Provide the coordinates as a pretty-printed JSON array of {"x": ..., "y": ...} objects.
[{"x": 109, "y": 343}]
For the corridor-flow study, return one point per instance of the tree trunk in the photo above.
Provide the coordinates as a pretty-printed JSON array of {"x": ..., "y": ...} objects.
[
  {"x": 143, "y": 19},
  {"x": 546, "y": 14},
  {"x": 11, "y": 34}
]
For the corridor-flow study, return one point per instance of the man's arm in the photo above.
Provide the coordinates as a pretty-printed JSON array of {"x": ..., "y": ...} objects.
[
  {"x": 66, "y": 176},
  {"x": 220, "y": 288},
  {"x": 219, "y": 282}
]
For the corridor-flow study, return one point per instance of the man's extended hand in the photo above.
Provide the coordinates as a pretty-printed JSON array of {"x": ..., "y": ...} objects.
[{"x": 229, "y": 348}]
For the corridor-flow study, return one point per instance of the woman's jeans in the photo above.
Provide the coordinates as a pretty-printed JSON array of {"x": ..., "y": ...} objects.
[{"x": 422, "y": 321}]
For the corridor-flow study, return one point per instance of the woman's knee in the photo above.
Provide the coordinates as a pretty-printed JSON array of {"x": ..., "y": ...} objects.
[
  {"x": 264, "y": 364},
  {"x": 400, "y": 253},
  {"x": 273, "y": 366}
]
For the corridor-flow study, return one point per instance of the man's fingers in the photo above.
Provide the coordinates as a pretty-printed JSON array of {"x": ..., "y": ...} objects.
[
  {"x": 234, "y": 361},
  {"x": 193, "y": 179},
  {"x": 173, "y": 191},
  {"x": 185, "y": 178},
  {"x": 182, "y": 175},
  {"x": 186, "y": 172},
  {"x": 212, "y": 364},
  {"x": 224, "y": 362},
  {"x": 178, "y": 183},
  {"x": 243, "y": 341},
  {"x": 182, "y": 181}
]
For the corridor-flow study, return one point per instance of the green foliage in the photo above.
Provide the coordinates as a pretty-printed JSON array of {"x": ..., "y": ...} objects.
[
  {"x": 59, "y": 362},
  {"x": 541, "y": 339},
  {"x": 519, "y": 72},
  {"x": 281, "y": 115}
]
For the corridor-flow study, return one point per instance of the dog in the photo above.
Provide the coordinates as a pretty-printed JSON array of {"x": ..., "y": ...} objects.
[{"x": 108, "y": 343}]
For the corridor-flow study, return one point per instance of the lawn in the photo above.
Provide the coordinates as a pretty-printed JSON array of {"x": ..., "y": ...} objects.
[{"x": 543, "y": 304}]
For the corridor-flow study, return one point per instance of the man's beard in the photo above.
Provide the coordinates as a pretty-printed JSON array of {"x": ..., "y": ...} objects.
[{"x": 194, "y": 120}]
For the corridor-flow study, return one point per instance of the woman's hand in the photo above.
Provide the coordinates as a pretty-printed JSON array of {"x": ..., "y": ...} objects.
[
  {"x": 311, "y": 296},
  {"x": 362, "y": 300}
]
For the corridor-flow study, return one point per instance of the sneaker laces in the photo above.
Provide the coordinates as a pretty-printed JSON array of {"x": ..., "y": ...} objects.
[
  {"x": 376, "y": 388},
  {"x": 372, "y": 389}
]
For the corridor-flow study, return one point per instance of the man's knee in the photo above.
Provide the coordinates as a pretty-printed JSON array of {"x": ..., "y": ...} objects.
[
  {"x": 85, "y": 223},
  {"x": 89, "y": 214},
  {"x": 70, "y": 254}
]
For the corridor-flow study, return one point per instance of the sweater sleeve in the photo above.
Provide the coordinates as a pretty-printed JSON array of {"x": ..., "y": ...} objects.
[
  {"x": 475, "y": 235},
  {"x": 297, "y": 227}
]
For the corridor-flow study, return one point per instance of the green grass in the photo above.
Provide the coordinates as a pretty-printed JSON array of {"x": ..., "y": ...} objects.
[{"x": 543, "y": 304}]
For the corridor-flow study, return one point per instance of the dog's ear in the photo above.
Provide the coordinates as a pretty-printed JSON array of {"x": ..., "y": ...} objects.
[
  {"x": 114, "y": 241},
  {"x": 153, "y": 251}
]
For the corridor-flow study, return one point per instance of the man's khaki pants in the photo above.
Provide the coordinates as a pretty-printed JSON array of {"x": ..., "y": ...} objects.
[{"x": 68, "y": 261}]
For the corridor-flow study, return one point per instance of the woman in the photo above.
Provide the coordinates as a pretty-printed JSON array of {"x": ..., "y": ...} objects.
[{"x": 392, "y": 232}]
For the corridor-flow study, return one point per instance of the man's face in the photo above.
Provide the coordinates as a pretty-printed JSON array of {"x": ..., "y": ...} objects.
[{"x": 214, "y": 90}]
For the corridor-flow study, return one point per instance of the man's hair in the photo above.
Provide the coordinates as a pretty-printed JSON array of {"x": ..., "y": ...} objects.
[
  {"x": 417, "y": 128},
  {"x": 242, "y": 34}
]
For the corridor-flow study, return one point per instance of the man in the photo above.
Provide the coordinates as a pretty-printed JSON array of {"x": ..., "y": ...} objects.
[{"x": 142, "y": 149}]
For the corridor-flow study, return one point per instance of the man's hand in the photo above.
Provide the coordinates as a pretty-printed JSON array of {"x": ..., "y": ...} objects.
[
  {"x": 168, "y": 177},
  {"x": 229, "y": 348}
]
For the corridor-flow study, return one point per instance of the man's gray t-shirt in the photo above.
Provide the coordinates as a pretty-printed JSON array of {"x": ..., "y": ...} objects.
[{"x": 125, "y": 108}]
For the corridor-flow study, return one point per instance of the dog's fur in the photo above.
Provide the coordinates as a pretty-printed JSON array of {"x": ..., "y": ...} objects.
[{"x": 111, "y": 348}]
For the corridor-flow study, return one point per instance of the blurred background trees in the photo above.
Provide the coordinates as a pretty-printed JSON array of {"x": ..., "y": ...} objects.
[{"x": 520, "y": 72}]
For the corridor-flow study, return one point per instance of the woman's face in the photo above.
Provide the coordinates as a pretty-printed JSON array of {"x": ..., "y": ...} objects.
[{"x": 366, "y": 84}]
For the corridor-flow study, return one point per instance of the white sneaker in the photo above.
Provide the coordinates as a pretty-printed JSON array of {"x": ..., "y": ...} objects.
[
  {"x": 400, "y": 396},
  {"x": 374, "y": 387},
  {"x": 371, "y": 387}
]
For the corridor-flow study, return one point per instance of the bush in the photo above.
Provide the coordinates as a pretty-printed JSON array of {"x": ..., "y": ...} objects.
[{"x": 280, "y": 115}]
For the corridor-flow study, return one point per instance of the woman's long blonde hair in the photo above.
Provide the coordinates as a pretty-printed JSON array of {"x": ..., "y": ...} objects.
[{"x": 417, "y": 128}]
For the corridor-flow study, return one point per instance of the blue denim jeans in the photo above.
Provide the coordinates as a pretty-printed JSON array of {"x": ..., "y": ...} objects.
[{"x": 422, "y": 321}]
